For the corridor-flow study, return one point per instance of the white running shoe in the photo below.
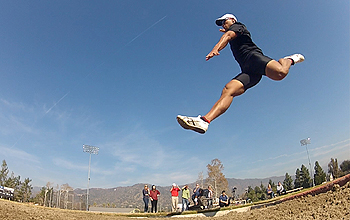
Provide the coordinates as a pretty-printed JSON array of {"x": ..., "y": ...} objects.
[
  {"x": 297, "y": 58},
  {"x": 193, "y": 123}
]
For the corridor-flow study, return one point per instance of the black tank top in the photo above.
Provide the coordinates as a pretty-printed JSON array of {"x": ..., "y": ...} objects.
[{"x": 242, "y": 46}]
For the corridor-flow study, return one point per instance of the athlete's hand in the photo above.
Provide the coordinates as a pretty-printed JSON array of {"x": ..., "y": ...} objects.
[
  {"x": 222, "y": 30},
  {"x": 211, "y": 55}
]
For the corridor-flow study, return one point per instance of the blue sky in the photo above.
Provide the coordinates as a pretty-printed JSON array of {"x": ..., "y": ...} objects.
[{"x": 115, "y": 74}]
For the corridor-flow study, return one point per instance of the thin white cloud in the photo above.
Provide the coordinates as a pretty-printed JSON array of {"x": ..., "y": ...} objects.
[
  {"x": 140, "y": 149},
  {"x": 327, "y": 149},
  {"x": 68, "y": 164},
  {"x": 277, "y": 157},
  {"x": 12, "y": 123},
  {"x": 13, "y": 105},
  {"x": 15, "y": 154}
]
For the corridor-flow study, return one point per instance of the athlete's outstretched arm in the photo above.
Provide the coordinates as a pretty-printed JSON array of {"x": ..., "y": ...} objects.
[{"x": 225, "y": 38}]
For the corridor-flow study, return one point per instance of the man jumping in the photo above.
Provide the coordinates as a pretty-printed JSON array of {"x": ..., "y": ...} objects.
[{"x": 254, "y": 64}]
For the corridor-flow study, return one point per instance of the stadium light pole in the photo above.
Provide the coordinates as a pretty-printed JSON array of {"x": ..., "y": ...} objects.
[
  {"x": 91, "y": 150},
  {"x": 305, "y": 142}
]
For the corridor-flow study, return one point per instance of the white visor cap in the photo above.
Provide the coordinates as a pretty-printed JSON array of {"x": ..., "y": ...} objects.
[{"x": 219, "y": 21}]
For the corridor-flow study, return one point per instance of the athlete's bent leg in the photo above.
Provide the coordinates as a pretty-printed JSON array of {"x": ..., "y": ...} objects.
[
  {"x": 232, "y": 89},
  {"x": 278, "y": 70}
]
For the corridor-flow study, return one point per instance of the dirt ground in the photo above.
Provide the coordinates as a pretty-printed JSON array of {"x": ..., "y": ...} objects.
[{"x": 334, "y": 204}]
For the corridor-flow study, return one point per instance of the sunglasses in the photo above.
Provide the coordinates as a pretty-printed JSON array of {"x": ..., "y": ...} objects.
[{"x": 223, "y": 22}]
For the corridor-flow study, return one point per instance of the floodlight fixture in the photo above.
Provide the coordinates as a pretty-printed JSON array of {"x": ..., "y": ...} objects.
[
  {"x": 91, "y": 150},
  {"x": 305, "y": 141}
]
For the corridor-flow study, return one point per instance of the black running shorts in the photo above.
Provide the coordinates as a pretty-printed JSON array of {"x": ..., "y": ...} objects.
[{"x": 253, "y": 70}]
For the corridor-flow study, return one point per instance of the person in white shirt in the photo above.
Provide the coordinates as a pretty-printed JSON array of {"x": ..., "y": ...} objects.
[{"x": 280, "y": 189}]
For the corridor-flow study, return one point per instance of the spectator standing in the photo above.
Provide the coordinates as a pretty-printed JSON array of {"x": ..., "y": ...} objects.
[
  {"x": 270, "y": 192},
  {"x": 210, "y": 197},
  {"x": 145, "y": 193},
  {"x": 154, "y": 193},
  {"x": 185, "y": 198},
  {"x": 223, "y": 200},
  {"x": 174, "y": 197},
  {"x": 280, "y": 189}
]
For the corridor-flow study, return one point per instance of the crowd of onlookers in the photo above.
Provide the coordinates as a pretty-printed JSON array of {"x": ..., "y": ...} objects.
[{"x": 198, "y": 197}]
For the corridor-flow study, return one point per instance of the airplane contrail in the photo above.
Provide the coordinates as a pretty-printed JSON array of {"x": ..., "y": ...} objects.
[
  {"x": 20, "y": 138},
  {"x": 145, "y": 31},
  {"x": 103, "y": 62},
  {"x": 57, "y": 102}
]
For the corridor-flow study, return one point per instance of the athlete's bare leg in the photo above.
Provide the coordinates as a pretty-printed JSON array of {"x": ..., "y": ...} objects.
[
  {"x": 278, "y": 70},
  {"x": 232, "y": 89},
  {"x": 274, "y": 70}
]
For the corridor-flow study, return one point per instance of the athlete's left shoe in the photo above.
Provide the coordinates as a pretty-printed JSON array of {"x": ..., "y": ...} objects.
[
  {"x": 297, "y": 58},
  {"x": 193, "y": 123}
]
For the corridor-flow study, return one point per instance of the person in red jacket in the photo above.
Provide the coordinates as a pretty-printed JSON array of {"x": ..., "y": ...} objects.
[{"x": 154, "y": 193}]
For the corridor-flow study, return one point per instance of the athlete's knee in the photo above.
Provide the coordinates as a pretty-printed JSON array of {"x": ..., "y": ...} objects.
[
  {"x": 277, "y": 74},
  {"x": 281, "y": 72},
  {"x": 281, "y": 75},
  {"x": 277, "y": 70},
  {"x": 233, "y": 88}
]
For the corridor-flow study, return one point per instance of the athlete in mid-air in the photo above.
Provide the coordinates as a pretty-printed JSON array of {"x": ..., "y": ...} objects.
[{"x": 254, "y": 64}]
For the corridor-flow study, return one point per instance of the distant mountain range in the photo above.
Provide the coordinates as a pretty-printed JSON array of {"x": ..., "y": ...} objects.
[{"x": 131, "y": 196}]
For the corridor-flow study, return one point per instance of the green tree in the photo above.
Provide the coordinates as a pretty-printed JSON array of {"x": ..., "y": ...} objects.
[
  {"x": 13, "y": 181},
  {"x": 333, "y": 168},
  {"x": 298, "y": 179},
  {"x": 25, "y": 190},
  {"x": 258, "y": 193},
  {"x": 345, "y": 167},
  {"x": 288, "y": 182},
  {"x": 320, "y": 175},
  {"x": 3, "y": 173},
  {"x": 252, "y": 195},
  {"x": 306, "y": 179},
  {"x": 262, "y": 192},
  {"x": 216, "y": 178}
]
